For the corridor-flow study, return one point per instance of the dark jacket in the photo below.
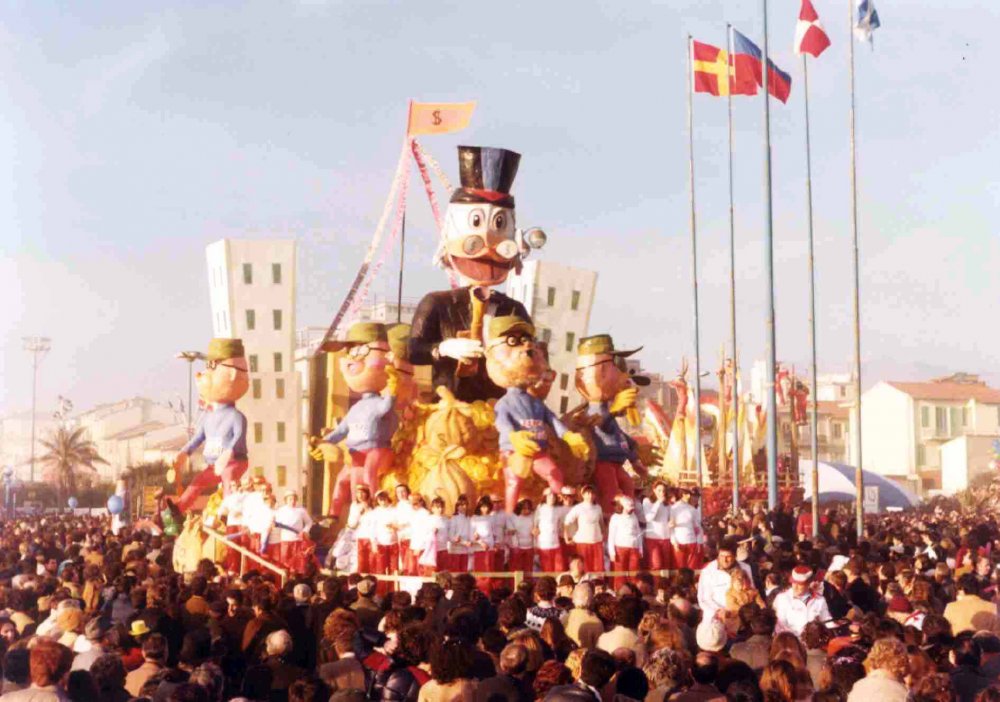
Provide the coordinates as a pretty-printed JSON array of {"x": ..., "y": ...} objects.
[
  {"x": 968, "y": 682},
  {"x": 505, "y": 687},
  {"x": 442, "y": 315},
  {"x": 576, "y": 692},
  {"x": 397, "y": 683}
]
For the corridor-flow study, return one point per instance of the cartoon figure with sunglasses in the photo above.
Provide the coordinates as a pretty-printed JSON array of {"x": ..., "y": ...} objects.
[
  {"x": 369, "y": 424},
  {"x": 602, "y": 380},
  {"x": 522, "y": 420},
  {"x": 481, "y": 245},
  {"x": 222, "y": 428}
]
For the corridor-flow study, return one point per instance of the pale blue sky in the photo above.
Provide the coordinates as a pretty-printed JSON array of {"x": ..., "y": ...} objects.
[{"x": 137, "y": 133}]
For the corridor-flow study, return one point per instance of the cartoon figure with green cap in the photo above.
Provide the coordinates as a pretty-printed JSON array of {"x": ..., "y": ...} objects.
[
  {"x": 222, "y": 428},
  {"x": 522, "y": 420},
  {"x": 602, "y": 380},
  {"x": 368, "y": 427}
]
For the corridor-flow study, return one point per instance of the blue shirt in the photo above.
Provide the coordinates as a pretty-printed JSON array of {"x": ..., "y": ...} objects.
[
  {"x": 517, "y": 410},
  {"x": 220, "y": 428},
  {"x": 369, "y": 424},
  {"x": 613, "y": 444}
]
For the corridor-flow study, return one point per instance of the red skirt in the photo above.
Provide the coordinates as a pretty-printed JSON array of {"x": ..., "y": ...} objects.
[
  {"x": 592, "y": 555},
  {"x": 364, "y": 551}
]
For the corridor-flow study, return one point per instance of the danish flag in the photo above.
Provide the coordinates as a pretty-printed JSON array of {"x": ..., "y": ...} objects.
[{"x": 809, "y": 35}]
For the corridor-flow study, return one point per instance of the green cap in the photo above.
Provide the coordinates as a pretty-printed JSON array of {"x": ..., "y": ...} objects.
[
  {"x": 399, "y": 341},
  {"x": 507, "y": 325},
  {"x": 601, "y": 344},
  {"x": 223, "y": 349},
  {"x": 359, "y": 333}
]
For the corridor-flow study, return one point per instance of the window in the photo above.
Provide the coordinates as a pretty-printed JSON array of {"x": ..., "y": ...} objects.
[
  {"x": 570, "y": 338},
  {"x": 281, "y": 431},
  {"x": 247, "y": 274},
  {"x": 838, "y": 430},
  {"x": 258, "y": 471},
  {"x": 256, "y": 388},
  {"x": 563, "y": 381},
  {"x": 277, "y": 362},
  {"x": 258, "y": 432},
  {"x": 279, "y": 388},
  {"x": 276, "y": 273},
  {"x": 575, "y": 301},
  {"x": 277, "y": 319},
  {"x": 956, "y": 419},
  {"x": 545, "y": 336},
  {"x": 251, "y": 320},
  {"x": 282, "y": 477},
  {"x": 925, "y": 417},
  {"x": 921, "y": 455},
  {"x": 843, "y": 391},
  {"x": 563, "y": 404},
  {"x": 253, "y": 363},
  {"x": 940, "y": 420},
  {"x": 965, "y": 416},
  {"x": 551, "y": 297}
]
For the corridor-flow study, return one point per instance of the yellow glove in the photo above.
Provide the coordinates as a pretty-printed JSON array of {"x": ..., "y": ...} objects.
[
  {"x": 624, "y": 400},
  {"x": 392, "y": 383},
  {"x": 326, "y": 452},
  {"x": 577, "y": 444},
  {"x": 524, "y": 443}
]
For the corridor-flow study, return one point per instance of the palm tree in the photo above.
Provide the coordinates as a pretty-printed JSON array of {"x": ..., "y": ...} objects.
[{"x": 69, "y": 451}]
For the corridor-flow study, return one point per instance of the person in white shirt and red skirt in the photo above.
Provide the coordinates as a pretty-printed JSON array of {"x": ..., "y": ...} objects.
[
  {"x": 386, "y": 542},
  {"x": 459, "y": 536},
  {"x": 624, "y": 539},
  {"x": 483, "y": 544},
  {"x": 548, "y": 528},
  {"x": 520, "y": 527},
  {"x": 657, "y": 550},
  {"x": 588, "y": 540}
]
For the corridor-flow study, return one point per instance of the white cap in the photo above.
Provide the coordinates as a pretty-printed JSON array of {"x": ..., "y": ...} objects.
[
  {"x": 802, "y": 574},
  {"x": 837, "y": 563}
]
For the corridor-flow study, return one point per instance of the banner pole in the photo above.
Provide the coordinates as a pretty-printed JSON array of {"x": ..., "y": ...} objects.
[
  {"x": 694, "y": 265},
  {"x": 856, "y": 437},
  {"x": 732, "y": 285},
  {"x": 772, "y": 415}
]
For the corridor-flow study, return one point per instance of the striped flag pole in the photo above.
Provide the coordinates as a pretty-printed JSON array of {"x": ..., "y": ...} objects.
[
  {"x": 772, "y": 414},
  {"x": 694, "y": 262},
  {"x": 859, "y": 479},
  {"x": 732, "y": 291},
  {"x": 813, "y": 380}
]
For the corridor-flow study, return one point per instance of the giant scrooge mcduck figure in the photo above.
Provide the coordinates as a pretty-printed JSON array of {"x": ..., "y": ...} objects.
[{"x": 481, "y": 244}]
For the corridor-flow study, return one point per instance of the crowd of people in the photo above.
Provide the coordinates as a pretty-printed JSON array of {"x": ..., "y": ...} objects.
[{"x": 777, "y": 613}]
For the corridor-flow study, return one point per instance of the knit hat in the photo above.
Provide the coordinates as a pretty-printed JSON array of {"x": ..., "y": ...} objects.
[
  {"x": 711, "y": 635},
  {"x": 802, "y": 574}
]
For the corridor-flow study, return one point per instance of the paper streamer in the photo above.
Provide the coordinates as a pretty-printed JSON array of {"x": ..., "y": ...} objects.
[
  {"x": 423, "y": 159},
  {"x": 349, "y": 301}
]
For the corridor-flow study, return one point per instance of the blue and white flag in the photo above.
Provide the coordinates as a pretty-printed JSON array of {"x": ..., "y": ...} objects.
[{"x": 866, "y": 20}]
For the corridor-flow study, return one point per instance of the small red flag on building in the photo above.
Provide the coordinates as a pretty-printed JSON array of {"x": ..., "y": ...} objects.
[{"x": 810, "y": 38}]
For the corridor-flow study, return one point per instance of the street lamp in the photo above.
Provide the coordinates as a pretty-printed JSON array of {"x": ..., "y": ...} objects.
[
  {"x": 190, "y": 357},
  {"x": 37, "y": 346}
]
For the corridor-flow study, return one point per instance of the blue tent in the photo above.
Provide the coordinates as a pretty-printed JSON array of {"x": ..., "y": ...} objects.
[{"x": 836, "y": 484}]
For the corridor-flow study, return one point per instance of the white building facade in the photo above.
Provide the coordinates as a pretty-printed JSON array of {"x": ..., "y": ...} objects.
[
  {"x": 252, "y": 292},
  {"x": 559, "y": 300}
]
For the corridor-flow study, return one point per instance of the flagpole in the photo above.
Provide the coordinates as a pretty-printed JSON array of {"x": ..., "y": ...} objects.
[
  {"x": 772, "y": 418},
  {"x": 732, "y": 286},
  {"x": 694, "y": 264},
  {"x": 856, "y": 438},
  {"x": 402, "y": 250},
  {"x": 813, "y": 381}
]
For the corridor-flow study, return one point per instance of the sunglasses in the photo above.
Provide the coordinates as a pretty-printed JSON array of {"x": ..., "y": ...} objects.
[
  {"x": 513, "y": 340},
  {"x": 212, "y": 365}
]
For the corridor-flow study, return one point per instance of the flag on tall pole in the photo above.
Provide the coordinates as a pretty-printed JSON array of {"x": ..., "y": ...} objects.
[
  {"x": 692, "y": 86},
  {"x": 709, "y": 69},
  {"x": 748, "y": 59},
  {"x": 866, "y": 20},
  {"x": 810, "y": 37}
]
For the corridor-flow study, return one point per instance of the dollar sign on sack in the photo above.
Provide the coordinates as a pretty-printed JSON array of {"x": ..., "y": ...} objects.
[{"x": 437, "y": 117}]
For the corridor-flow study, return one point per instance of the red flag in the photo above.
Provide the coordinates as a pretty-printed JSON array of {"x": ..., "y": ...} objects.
[
  {"x": 809, "y": 35},
  {"x": 710, "y": 69}
]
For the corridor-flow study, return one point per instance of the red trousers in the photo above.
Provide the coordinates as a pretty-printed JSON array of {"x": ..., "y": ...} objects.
[
  {"x": 364, "y": 470},
  {"x": 592, "y": 555},
  {"x": 542, "y": 465},
  {"x": 499, "y": 559},
  {"x": 625, "y": 559},
  {"x": 522, "y": 559},
  {"x": 458, "y": 562},
  {"x": 407, "y": 559},
  {"x": 552, "y": 560},
  {"x": 386, "y": 563},
  {"x": 482, "y": 561},
  {"x": 364, "y": 551},
  {"x": 238, "y": 536},
  {"x": 689, "y": 556},
  {"x": 659, "y": 554},
  {"x": 611, "y": 479},
  {"x": 442, "y": 562},
  {"x": 208, "y": 479}
]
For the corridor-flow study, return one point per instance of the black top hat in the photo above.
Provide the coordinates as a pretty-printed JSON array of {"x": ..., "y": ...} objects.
[{"x": 486, "y": 174}]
